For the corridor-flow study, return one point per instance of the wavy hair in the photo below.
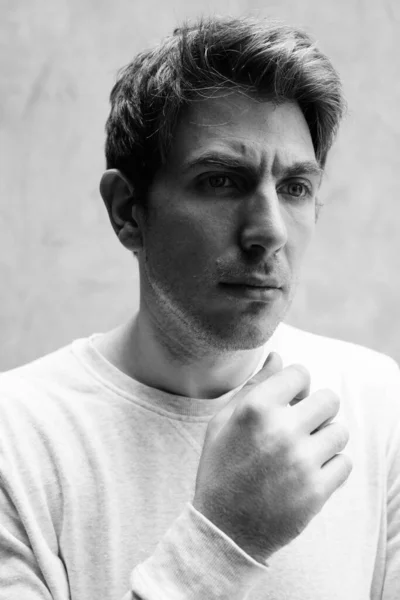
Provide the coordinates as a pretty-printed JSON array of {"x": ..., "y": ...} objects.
[{"x": 256, "y": 56}]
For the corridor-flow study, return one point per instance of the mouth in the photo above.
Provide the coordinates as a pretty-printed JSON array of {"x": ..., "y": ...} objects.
[{"x": 261, "y": 293}]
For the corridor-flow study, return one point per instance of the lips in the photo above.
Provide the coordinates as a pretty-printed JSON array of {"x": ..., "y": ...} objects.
[
  {"x": 255, "y": 282},
  {"x": 251, "y": 293}
]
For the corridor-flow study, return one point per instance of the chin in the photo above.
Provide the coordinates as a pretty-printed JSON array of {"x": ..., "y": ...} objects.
[{"x": 247, "y": 337}]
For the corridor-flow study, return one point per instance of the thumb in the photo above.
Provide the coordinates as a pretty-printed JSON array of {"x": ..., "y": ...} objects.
[{"x": 272, "y": 365}]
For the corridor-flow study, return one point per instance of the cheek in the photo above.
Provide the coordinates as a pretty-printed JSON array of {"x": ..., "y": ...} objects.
[
  {"x": 184, "y": 243},
  {"x": 300, "y": 232}
]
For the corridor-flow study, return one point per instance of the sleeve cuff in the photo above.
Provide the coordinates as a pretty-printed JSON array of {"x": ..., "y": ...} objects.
[{"x": 196, "y": 560}]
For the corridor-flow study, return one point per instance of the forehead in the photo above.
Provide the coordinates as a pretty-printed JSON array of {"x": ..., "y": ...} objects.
[{"x": 266, "y": 134}]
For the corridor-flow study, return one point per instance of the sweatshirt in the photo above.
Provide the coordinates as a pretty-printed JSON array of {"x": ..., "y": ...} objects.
[{"x": 97, "y": 479}]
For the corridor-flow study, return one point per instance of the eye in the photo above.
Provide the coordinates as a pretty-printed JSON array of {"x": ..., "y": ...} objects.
[
  {"x": 221, "y": 185},
  {"x": 219, "y": 181},
  {"x": 298, "y": 189}
]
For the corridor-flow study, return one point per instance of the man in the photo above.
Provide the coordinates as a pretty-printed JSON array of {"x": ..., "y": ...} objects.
[{"x": 197, "y": 451}]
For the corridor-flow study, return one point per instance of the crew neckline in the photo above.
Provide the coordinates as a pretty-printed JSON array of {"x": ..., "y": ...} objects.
[{"x": 124, "y": 385}]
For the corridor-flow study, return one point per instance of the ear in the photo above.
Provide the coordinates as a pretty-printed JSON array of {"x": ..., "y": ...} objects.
[{"x": 121, "y": 203}]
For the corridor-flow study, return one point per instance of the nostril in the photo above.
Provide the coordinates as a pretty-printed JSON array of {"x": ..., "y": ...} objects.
[
  {"x": 256, "y": 249},
  {"x": 253, "y": 251}
]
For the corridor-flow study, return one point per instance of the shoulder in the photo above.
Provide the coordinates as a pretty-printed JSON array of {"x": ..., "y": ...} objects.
[
  {"x": 37, "y": 395},
  {"x": 337, "y": 354}
]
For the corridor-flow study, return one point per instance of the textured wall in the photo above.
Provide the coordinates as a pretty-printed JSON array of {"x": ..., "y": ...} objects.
[{"x": 63, "y": 272}]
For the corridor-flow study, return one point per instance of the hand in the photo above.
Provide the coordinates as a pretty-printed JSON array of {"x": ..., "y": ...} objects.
[{"x": 266, "y": 471}]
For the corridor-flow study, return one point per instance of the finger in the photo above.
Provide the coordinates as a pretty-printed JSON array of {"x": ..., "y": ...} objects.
[
  {"x": 335, "y": 473},
  {"x": 280, "y": 388},
  {"x": 317, "y": 410},
  {"x": 291, "y": 383},
  {"x": 273, "y": 364},
  {"x": 304, "y": 393},
  {"x": 328, "y": 442}
]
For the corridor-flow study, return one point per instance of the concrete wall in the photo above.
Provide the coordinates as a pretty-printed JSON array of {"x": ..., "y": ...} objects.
[{"x": 63, "y": 273}]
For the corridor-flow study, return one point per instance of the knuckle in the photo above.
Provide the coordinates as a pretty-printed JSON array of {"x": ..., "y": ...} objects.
[
  {"x": 345, "y": 435},
  {"x": 319, "y": 492},
  {"x": 305, "y": 467},
  {"x": 348, "y": 463},
  {"x": 302, "y": 370},
  {"x": 341, "y": 436},
  {"x": 278, "y": 438},
  {"x": 331, "y": 399},
  {"x": 248, "y": 414},
  {"x": 312, "y": 486}
]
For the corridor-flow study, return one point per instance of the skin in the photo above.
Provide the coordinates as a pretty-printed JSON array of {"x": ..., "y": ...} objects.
[{"x": 210, "y": 223}]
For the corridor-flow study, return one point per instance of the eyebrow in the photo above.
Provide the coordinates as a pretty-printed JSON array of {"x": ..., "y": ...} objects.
[
  {"x": 306, "y": 167},
  {"x": 219, "y": 159}
]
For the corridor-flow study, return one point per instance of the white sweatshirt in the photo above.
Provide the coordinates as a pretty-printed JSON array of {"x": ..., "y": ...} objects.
[{"x": 97, "y": 475}]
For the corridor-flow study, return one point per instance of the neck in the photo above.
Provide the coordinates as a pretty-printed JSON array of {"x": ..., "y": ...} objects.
[{"x": 157, "y": 358}]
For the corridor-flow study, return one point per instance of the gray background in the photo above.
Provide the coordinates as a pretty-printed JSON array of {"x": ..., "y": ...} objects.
[{"x": 63, "y": 273}]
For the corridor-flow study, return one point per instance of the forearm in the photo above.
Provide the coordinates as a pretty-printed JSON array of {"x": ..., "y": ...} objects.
[{"x": 193, "y": 561}]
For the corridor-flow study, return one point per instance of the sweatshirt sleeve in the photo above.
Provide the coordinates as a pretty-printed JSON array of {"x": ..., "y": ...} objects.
[
  {"x": 195, "y": 560},
  {"x": 20, "y": 574}
]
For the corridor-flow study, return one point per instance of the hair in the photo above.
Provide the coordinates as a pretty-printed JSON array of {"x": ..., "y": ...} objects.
[{"x": 259, "y": 57}]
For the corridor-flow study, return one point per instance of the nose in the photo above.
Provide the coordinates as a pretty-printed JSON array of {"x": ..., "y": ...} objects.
[{"x": 262, "y": 226}]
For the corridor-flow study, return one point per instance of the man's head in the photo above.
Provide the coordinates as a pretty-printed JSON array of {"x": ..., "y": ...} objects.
[{"x": 216, "y": 143}]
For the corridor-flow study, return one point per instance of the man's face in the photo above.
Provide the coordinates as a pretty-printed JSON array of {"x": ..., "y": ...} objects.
[{"x": 232, "y": 210}]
